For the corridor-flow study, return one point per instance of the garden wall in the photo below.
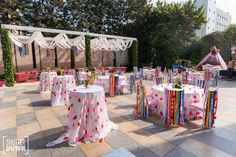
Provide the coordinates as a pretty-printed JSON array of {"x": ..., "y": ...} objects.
[{"x": 26, "y": 63}]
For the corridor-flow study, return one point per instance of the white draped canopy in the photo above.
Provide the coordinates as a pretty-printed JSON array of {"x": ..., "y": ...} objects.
[{"x": 102, "y": 42}]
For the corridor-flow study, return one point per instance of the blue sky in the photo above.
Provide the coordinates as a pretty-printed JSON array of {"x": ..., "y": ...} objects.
[{"x": 226, "y": 5}]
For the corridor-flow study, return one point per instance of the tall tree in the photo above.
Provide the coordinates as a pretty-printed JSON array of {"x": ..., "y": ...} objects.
[
  {"x": 9, "y": 12},
  {"x": 164, "y": 33}
]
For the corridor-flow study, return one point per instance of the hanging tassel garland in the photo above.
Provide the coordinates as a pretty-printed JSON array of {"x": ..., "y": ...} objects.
[
  {"x": 174, "y": 108},
  {"x": 141, "y": 101},
  {"x": 211, "y": 108}
]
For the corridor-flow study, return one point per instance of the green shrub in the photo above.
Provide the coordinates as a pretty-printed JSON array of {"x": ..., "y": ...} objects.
[{"x": 7, "y": 58}]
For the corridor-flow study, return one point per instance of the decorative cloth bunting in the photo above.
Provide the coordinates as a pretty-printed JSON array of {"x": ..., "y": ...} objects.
[
  {"x": 210, "y": 109},
  {"x": 174, "y": 108},
  {"x": 142, "y": 107}
]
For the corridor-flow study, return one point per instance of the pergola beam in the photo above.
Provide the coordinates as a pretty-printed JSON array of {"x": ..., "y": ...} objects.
[{"x": 47, "y": 30}]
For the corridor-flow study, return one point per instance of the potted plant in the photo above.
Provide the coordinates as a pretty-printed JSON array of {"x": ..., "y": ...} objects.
[
  {"x": 59, "y": 71},
  {"x": 48, "y": 68},
  {"x": 178, "y": 83}
]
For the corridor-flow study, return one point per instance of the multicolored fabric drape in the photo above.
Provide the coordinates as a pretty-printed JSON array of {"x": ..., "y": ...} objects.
[
  {"x": 185, "y": 77},
  {"x": 170, "y": 77},
  {"x": 210, "y": 109},
  {"x": 141, "y": 101},
  {"x": 159, "y": 80},
  {"x": 174, "y": 108},
  {"x": 211, "y": 74},
  {"x": 114, "y": 85}
]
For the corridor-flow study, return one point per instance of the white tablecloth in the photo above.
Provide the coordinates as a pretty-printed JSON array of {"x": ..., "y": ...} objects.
[
  {"x": 192, "y": 94},
  {"x": 45, "y": 84},
  {"x": 88, "y": 116},
  {"x": 60, "y": 89},
  {"x": 105, "y": 82}
]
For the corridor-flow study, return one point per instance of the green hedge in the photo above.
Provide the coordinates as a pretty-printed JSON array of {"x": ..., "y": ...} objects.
[
  {"x": 7, "y": 58},
  {"x": 88, "y": 51},
  {"x": 134, "y": 54}
]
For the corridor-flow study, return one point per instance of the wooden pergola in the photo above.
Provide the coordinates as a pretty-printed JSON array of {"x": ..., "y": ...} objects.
[{"x": 55, "y": 31}]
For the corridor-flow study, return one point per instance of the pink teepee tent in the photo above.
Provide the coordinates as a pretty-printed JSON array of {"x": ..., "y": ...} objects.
[{"x": 213, "y": 58}]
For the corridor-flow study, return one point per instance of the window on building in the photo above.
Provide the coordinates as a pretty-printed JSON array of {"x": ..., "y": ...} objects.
[{"x": 209, "y": 10}]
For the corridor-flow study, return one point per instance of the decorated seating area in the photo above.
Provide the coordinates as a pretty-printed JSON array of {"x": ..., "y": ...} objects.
[{"x": 95, "y": 110}]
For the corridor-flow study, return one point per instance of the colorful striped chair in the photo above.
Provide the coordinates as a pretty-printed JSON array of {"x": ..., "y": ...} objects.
[
  {"x": 142, "y": 106},
  {"x": 174, "y": 108},
  {"x": 185, "y": 77},
  {"x": 114, "y": 85},
  {"x": 211, "y": 108},
  {"x": 208, "y": 108}
]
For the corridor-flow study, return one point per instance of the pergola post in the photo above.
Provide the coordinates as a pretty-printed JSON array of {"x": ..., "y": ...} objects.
[
  {"x": 72, "y": 59},
  {"x": 7, "y": 58},
  {"x": 56, "y": 61},
  {"x": 88, "y": 51},
  {"x": 114, "y": 59},
  {"x": 33, "y": 55}
]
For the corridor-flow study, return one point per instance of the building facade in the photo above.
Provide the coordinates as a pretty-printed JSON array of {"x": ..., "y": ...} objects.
[{"x": 217, "y": 19}]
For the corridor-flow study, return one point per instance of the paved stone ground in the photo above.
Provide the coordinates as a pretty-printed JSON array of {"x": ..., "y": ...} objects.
[{"x": 24, "y": 112}]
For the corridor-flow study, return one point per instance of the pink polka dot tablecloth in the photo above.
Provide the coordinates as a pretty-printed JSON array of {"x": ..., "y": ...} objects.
[
  {"x": 45, "y": 84},
  {"x": 88, "y": 119},
  {"x": 61, "y": 88},
  {"x": 192, "y": 94}
]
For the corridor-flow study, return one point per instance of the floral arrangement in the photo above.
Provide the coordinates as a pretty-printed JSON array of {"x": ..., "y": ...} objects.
[
  {"x": 178, "y": 83},
  {"x": 91, "y": 78},
  {"x": 59, "y": 71},
  {"x": 48, "y": 68}
]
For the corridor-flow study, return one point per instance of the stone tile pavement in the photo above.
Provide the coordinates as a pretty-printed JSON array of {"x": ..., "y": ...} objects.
[{"x": 24, "y": 112}]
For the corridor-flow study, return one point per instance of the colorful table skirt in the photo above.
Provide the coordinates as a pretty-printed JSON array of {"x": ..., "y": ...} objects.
[
  {"x": 88, "y": 119},
  {"x": 104, "y": 81},
  {"x": 46, "y": 81},
  {"x": 192, "y": 94},
  {"x": 60, "y": 89}
]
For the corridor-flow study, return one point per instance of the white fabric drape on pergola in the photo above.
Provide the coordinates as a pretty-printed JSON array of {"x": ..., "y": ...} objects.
[{"x": 99, "y": 42}]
